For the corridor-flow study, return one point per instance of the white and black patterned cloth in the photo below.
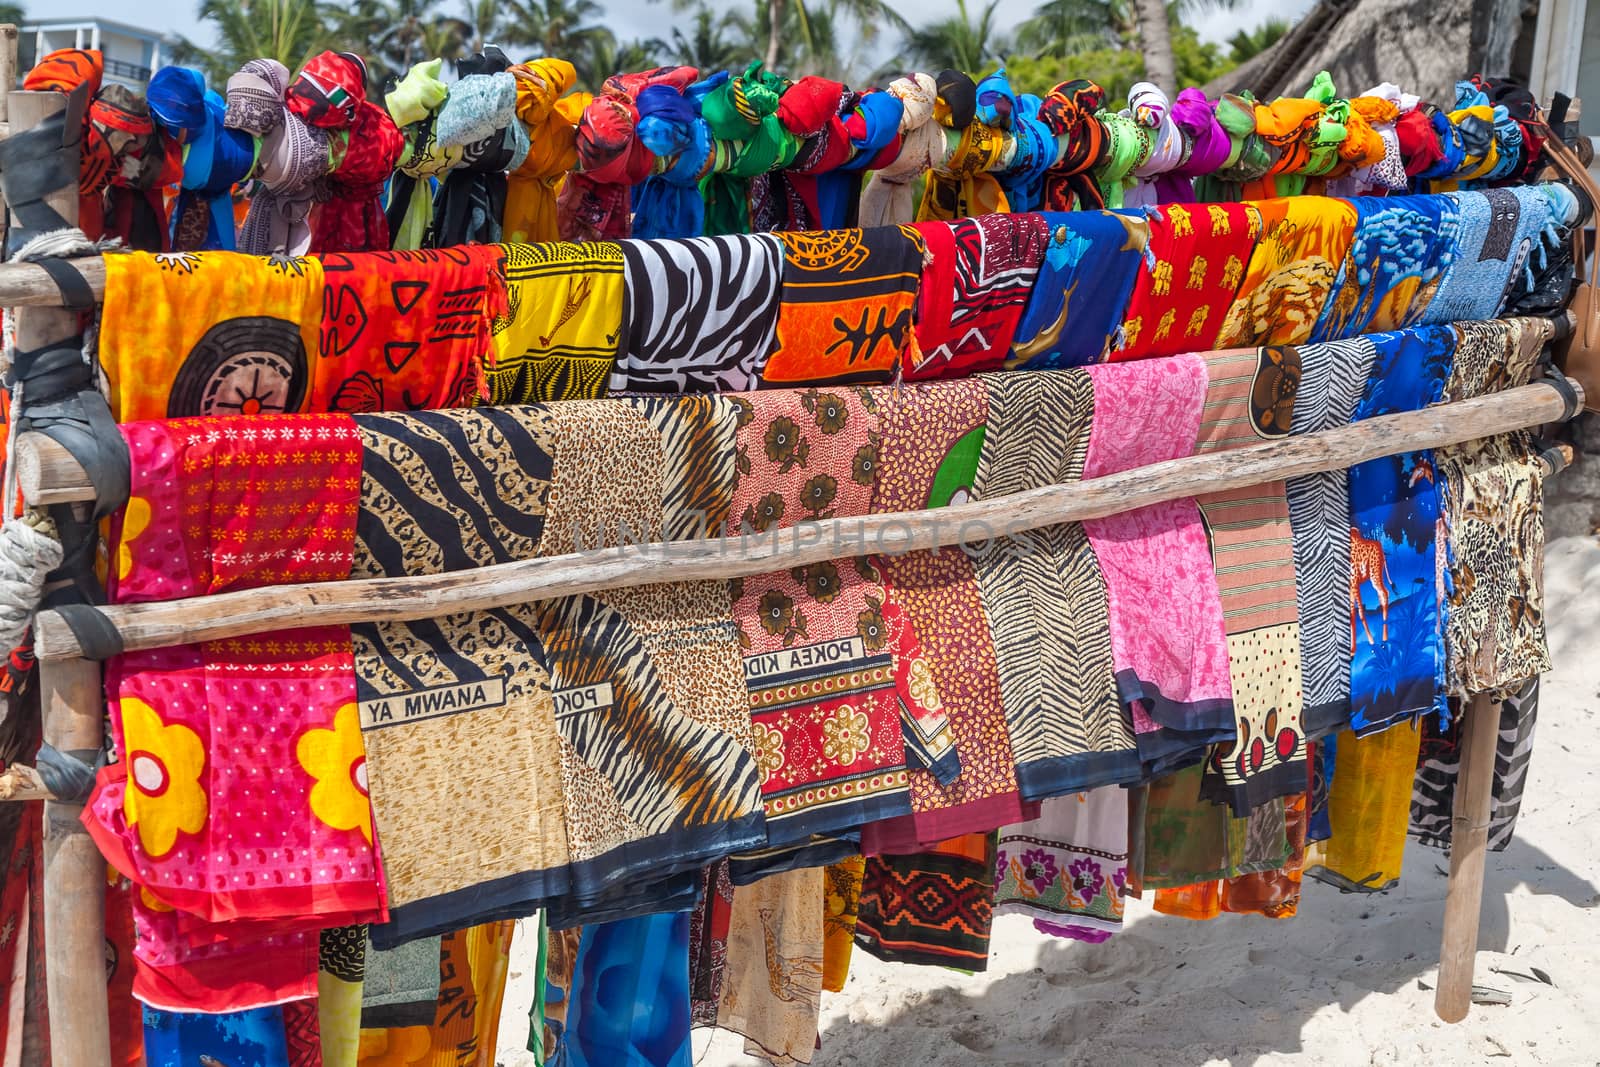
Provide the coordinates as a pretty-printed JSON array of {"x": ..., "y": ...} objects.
[
  {"x": 700, "y": 315},
  {"x": 1439, "y": 767},
  {"x": 1333, "y": 374}
]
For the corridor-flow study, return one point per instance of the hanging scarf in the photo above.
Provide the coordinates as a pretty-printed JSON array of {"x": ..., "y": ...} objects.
[
  {"x": 1249, "y": 154},
  {"x": 1505, "y": 234},
  {"x": 1194, "y": 265},
  {"x": 977, "y": 281},
  {"x": 669, "y": 204},
  {"x": 294, "y": 156},
  {"x": 1127, "y": 145},
  {"x": 477, "y": 130},
  {"x": 331, "y": 94},
  {"x": 1068, "y": 112},
  {"x": 928, "y": 448},
  {"x": 134, "y": 208},
  {"x": 872, "y": 124},
  {"x": 629, "y": 998},
  {"x": 412, "y": 105},
  {"x": 812, "y": 110},
  {"x": 551, "y": 122},
  {"x": 1439, "y": 771},
  {"x": 1150, "y": 108},
  {"x": 934, "y": 907},
  {"x": 1208, "y": 146},
  {"x": 1067, "y": 870},
  {"x": 215, "y": 158},
  {"x": 1369, "y": 807},
  {"x": 1085, "y": 279},
  {"x": 961, "y": 186},
  {"x": 1332, "y": 377},
  {"x": 1291, "y": 272},
  {"x": 1397, "y": 672},
  {"x": 847, "y": 305},
  {"x": 743, "y": 110},
  {"x": 470, "y": 970},
  {"x": 772, "y": 987},
  {"x": 887, "y": 199},
  {"x": 1168, "y": 640}
]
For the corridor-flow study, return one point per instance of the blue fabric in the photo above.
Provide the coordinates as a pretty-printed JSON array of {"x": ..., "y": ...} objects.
[
  {"x": 629, "y": 1001},
  {"x": 1504, "y": 235},
  {"x": 1081, "y": 295},
  {"x": 1397, "y": 239},
  {"x": 1449, "y": 143},
  {"x": 881, "y": 112},
  {"x": 252, "y": 1038},
  {"x": 1397, "y": 671},
  {"x": 1023, "y": 181},
  {"x": 215, "y": 158},
  {"x": 669, "y": 204}
]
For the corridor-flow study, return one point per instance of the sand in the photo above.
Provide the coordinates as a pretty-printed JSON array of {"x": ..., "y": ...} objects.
[{"x": 1348, "y": 981}]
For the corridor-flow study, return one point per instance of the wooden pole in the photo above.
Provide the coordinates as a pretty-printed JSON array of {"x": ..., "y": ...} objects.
[
  {"x": 1469, "y": 836},
  {"x": 71, "y": 703},
  {"x": 27, "y": 284},
  {"x": 211, "y": 618},
  {"x": 74, "y": 879}
]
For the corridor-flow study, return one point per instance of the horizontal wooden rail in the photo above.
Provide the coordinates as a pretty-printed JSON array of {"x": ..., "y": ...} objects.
[
  {"x": 27, "y": 284},
  {"x": 156, "y": 625}
]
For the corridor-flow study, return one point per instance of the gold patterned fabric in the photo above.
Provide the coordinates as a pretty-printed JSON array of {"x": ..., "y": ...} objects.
[{"x": 559, "y": 335}]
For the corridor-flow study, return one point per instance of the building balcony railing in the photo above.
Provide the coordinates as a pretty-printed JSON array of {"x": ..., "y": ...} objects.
[{"x": 131, "y": 71}]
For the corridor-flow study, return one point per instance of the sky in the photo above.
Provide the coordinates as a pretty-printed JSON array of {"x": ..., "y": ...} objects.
[{"x": 653, "y": 18}]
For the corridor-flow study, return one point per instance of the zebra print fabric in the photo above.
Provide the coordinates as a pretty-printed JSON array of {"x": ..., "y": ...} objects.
[
  {"x": 1438, "y": 769},
  {"x": 700, "y": 315},
  {"x": 1046, "y": 598},
  {"x": 1332, "y": 375}
]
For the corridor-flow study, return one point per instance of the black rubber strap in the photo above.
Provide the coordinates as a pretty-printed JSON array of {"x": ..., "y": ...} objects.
[
  {"x": 68, "y": 775},
  {"x": 38, "y": 162},
  {"x": 59, "y": 400},
  {"x": 97, "y": 637},
  {"x": 74, "y": 288},
  {"x": 1569, "y": 395}
]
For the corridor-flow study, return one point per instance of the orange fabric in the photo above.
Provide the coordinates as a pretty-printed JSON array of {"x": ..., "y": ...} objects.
[{"x": 472, "y": 985}]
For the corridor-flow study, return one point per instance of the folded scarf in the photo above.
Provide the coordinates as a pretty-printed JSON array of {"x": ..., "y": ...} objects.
[
  {"x": 1291, "y": 272},
  {"x": 1067, "y": 870},
  {"x": 1194, "y": 265},
  {"x": 558, "y": 337},
  {"x": 295, "y": 155}
]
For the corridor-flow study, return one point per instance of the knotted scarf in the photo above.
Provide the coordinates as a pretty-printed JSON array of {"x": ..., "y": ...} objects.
[
  {"x": 962, "y": 186},
  {"x": 1034, "y": 153},
  {"x": 887, "y": 197},
  {"x": 1330, "y": 133},
  {"x": 135, "y": 209},
  {"x": 873, "y": 125},
  {"x": 1452, "y": 149},
  {"x": 743, "y": 109},
  {"x": 1379, "y": 113},
  {"x": 331, "y": 93},
  {"x": 215, "y": 158},
  {"x": 413, "y": 105},
  {"x": 472, "y": 196},
  {"x": 1419, "y": 143},
  {"x": 611, "y": 159},
  {"x": 551, "y": 121},
  {"x": 1151, "y": 108},
  {"x": 812, "y": 110},
  {"x": 669, "y": 204},
  {"x": 1127, "y": 145},
  {"x": 1290, "y": 125},
  {"x": 1208, "y": 143},
  {"x": 1249, "y": 154},
  {"x": 294, "y": 157},
  {"x": 1068, "y": 111}
]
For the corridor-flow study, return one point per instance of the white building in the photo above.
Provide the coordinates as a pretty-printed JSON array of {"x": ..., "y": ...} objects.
[{"x": 131, "y": 53}]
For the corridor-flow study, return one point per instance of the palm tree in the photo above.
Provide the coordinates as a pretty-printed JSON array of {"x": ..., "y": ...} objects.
[
  {"x": 290, "y": 31},
  {"x": 400, "y": 33},
  {"x": 1247, "y": 44},
  {"x": 485, "y": 19},
  {"x": 1155, "y": 41},
  {"x": 1063, "y": 27},
  {"x": 959, "y": 41},
  {"x": 708, "y": 45},
  {"x": 602, "y": 55},
  {"x": 794, "y": 18},
  {"x": 563, "y": 29}
]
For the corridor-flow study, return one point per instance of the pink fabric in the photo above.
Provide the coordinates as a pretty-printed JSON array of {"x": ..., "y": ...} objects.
[{"x": 1166, "y": 615}]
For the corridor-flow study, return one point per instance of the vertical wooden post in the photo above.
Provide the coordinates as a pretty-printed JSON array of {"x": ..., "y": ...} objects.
[
  {"x": 1469, "y": 836},
  {"x": 74, "y": 879},
  {"x": 71, "y": 705}
]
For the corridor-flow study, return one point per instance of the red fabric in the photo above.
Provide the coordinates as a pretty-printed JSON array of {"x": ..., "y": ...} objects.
[
  {"x": 1419, "y": 145},
  {"x": 329, "y": 90},
  {"x": 1210, "y": 244},
  {"x": 976, "y": 281},
  {"x": 127, "y": 1019},
  {"x": 809, "y": 104},
  {"x": 352, "y": 218}
]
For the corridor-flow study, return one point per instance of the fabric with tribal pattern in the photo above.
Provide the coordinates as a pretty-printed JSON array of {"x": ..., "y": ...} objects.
[{"x": 557, "y": 339}]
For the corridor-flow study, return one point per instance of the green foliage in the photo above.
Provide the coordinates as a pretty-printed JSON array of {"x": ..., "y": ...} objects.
[
  {"x": 961, "y": 42},
  {"x": 1247, "y": 44},
  {"x": 1116, "y": 69},
  {"x": 290, "y": 31},
  {"x": 13, "y": 14}
]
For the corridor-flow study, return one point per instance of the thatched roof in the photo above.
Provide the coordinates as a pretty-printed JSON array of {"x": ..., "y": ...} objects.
[{"x": 1421, "y": 45}]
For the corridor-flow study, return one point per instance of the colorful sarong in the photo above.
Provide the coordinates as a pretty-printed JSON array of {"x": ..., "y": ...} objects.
[
  {"x": 1084, "y": 282},
  {"x": 933, "y": 907},
  {"x": 701, "y": 314},
  {"x": 628, "y": 1005},
  {"x": 1402, "y": 249},
  {"x": 473, "y": 965},
  {"x": 1504, "y": 235},
  {"x": 209, "y": 333},
  {"x": 978, "y": 279},
  {"x": 559, "y": 336},
  {"x": 1369, "y": 808},
  {"x": 1250, "y": 398},
  {"x": 773, "y": 984},
  {"x": 1291, "y": 272},
  {"x": 1192, "y": 270},
  {"x": 1439, "y": 770},
  {"x": 847, "y": 302},
  {"x": 1067, "y": 869},
  {"x": 407, "y": 330}
]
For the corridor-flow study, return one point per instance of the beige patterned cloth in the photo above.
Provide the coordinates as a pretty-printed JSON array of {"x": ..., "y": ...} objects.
[{"x": 772, "y": 986}]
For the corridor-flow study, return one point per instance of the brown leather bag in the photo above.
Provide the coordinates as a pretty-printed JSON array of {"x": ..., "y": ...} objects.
[{"x": 1579, "y": 354}]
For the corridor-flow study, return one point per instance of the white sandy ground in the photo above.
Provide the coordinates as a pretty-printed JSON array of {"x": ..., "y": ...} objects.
[{"x": 1348, "y": 981}]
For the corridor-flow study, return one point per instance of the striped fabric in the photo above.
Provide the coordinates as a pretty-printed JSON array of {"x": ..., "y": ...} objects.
[{"x": 1250, "y": 397}]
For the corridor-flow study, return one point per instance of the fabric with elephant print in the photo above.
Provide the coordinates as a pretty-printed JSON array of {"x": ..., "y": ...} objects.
[
  {"x": 1193, "y": 269},
  {"x": 1303, "y": 242},
  {"x": 209, "y": 333},
  {"x": 832, "y": 663},
  {"x": 1397, "y": 560}
]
